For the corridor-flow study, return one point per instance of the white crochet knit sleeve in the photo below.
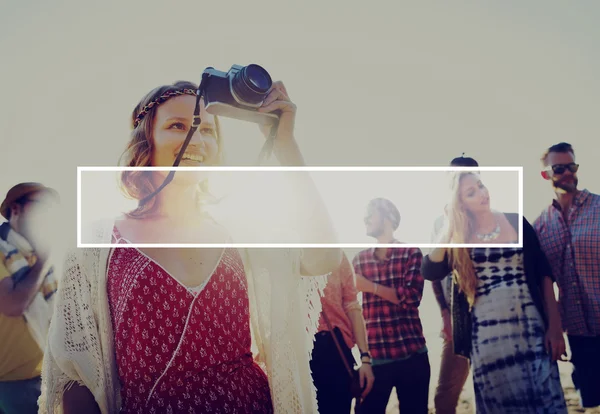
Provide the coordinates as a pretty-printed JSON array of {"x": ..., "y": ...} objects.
[
  {"x": 285, "y": 310},
  {"x": 77, "y": 350}
]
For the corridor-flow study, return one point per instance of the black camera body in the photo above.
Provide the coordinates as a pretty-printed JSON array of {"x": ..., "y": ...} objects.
[{"x": 238, "y": 93}]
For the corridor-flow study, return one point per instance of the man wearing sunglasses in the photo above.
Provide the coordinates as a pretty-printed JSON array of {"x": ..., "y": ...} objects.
[
  {"x": 569, "y": 233},
  {"x": 27, "y": 285}
]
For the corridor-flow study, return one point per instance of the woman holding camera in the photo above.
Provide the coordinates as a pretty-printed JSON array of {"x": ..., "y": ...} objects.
[{"x": 170, "y": 330}]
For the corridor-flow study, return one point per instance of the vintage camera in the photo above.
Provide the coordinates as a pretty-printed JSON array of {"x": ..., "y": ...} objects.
[{"x": 238, "y": 93}]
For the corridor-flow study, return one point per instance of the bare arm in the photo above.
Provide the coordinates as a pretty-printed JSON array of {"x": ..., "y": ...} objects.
[
  {"x": 16, "y": 295},
  {"x": 350, "y": 303},
  {"x": 78, "y": 399},
  {"x": 311, "y": 212},
  {"x": 554, "y": 339},
  {"x": 438, "y": 291},
  {"x": 436, "y": 285},
  {"x": 354, "y": 312},
  {"x": 358, "y": 328},
  {"x": 317, "y": 224},
  {"x": 365, "y": 285},
  {"x": 550, "y": 303}
]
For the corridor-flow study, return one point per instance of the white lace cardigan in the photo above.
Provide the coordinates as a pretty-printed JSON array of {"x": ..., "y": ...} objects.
[{"x": 284, "y": 310}]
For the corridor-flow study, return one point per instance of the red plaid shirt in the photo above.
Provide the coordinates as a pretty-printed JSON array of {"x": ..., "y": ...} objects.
[
  {"x": 573, "y": 250},
  {"x": 394, "y": 331}
]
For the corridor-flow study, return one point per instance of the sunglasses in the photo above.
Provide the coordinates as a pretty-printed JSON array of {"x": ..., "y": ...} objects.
[{"x": 561, "y": 168}]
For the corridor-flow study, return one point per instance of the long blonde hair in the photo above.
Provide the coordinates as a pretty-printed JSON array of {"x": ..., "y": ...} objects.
[
  {"x": 138, "y": 153},
  {"x": 460, "y": 226}
]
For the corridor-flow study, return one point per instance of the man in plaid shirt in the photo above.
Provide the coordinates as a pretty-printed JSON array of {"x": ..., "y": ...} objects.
[
  {"x": 392, "y": 287},
  {"x": 569, "y": 233}
]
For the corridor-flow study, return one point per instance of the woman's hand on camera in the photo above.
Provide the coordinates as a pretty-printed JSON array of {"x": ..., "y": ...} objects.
[{"x": 278, "y": 100}]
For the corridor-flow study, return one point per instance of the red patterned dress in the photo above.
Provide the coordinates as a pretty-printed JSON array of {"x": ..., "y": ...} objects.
[{"x": 180, "y": 351}]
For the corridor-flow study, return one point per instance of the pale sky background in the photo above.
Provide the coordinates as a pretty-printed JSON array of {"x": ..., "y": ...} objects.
[{"x": 377, "y": 83}]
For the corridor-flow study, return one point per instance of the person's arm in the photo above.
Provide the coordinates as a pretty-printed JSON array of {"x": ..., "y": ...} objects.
[
  {"x": 74, "y": 340},
  {"x": 435, "y": 265},
  {"x": 351, "y": 305},
  {"x": 317, "y": 225},
  {"x": 367, "y": 378},
  {"x": 440, "y": 298},
  {"x": 365, "y": 285},
  {"x": 410, "y": 290},
  {"x": 554, "y": 338},
  {"x": 438, "y": 288},
  {"x": 17, "y": 291},
  {"x": 438, "y": 291},
  {"x": 358, "y": 327},
  {"x": 354, "y": 312},
  {"x": 79, "y": 399},
  {"x": 317, "y": 222},
  {"x": 436, "y": 285}
]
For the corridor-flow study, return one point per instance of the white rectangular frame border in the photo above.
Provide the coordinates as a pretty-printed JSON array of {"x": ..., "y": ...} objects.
[{"x": 81, "y": 169}]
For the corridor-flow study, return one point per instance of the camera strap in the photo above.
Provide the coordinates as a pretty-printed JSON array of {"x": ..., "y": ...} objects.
[
  {"x": 188, "y": 138},
  {"x": 265, "y": 152}
]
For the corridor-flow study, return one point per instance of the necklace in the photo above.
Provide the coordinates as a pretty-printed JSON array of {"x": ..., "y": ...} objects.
[{"x": 490, "y": 236}]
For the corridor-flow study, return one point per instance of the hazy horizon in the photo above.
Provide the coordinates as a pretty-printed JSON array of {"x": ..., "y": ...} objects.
[{"x": 376, "y": 83}]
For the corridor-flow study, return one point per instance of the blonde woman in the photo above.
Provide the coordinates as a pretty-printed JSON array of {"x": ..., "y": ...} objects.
[
  {"x": 504, "y": 314},
  {"x": 171, "y": 330}
]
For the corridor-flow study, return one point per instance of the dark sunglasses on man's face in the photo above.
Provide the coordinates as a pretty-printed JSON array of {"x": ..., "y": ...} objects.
[{"x": 561, "y": 168}]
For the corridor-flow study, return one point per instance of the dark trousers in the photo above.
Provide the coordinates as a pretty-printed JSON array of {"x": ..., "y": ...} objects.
[
  {"x": 585, "y": 357},
  {"x": 411, "y": 379},
  {"x": 329, "y": 374}
]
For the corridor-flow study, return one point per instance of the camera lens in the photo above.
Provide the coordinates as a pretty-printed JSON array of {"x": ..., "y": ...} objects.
[{"x": 251, "y": 84}]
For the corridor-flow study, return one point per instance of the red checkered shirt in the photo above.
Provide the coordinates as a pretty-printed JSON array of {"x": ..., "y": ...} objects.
[
  {"x": 394, "y": 331},
  {"x": 573, "y": 250}
]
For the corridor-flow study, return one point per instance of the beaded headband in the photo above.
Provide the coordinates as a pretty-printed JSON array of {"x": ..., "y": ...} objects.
[{"x": 162, "y": 98}]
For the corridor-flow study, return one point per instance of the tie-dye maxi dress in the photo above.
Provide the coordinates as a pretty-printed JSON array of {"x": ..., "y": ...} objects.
[{"x": 512, "y": 372}]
